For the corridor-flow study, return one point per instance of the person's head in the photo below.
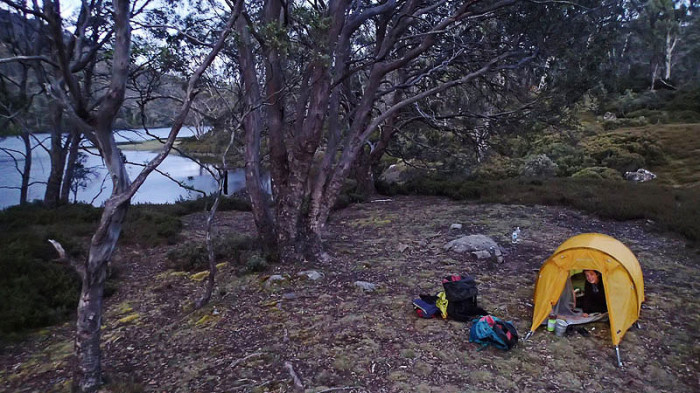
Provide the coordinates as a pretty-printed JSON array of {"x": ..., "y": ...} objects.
[{"x": 592, "y": 276}]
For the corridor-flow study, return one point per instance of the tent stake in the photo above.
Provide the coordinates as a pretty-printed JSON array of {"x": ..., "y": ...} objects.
[
  {"x": 617, "y": 351},
  {"x": 528, "y": 335}
]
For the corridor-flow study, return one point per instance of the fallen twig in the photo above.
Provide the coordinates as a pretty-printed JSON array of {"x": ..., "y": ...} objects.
[
  {"x": 295, "y": 377},
  {"x": 241, "y": 360},
  {"x": 337, "y": 389}
]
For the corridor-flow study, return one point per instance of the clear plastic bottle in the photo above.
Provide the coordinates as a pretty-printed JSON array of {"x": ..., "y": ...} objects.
[{"x": 516, "y": 234}]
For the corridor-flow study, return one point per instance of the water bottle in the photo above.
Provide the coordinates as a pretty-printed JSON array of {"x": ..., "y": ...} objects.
[{"x": 515, "y": 235}]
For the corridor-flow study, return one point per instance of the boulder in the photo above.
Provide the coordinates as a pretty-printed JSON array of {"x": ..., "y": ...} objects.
[
  {"x": 471, "y": 243},
  {"x": 641, "y": 175}
]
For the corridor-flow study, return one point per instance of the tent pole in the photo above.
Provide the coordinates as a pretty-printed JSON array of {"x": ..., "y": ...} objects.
[
  {"x": 528, "y": 335},
  {"x": 617, "y": 351}
]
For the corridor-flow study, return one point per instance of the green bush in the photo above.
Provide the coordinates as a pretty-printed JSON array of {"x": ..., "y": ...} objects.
[
  {"x": 652, "y": 116},
  {"x": 498, "y": 167},
  {"x": 35, "y": 290},
  {"x": 598, "y": 173},
  {"x": 538, "y": 165},
  {"x": 256, "y": 263},
  {"x": 150, "y": 227},
  {"x": 622, "y": 152},
  {"x": 625, "y": 122},
  {"x": 193, "y": 256}
]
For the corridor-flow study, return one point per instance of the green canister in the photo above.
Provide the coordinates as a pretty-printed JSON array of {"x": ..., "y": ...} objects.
[{"x": 551, "y": 322}]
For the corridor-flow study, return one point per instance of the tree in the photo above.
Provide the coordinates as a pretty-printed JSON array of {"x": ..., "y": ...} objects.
[
  {"x": 19, "y": 88},
  {"x": 328, "y": 75},
  {"x": 95, "y": 116}
]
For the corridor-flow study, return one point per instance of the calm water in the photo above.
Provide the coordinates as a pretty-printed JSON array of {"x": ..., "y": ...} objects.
[{"x": 156, "y": 189}]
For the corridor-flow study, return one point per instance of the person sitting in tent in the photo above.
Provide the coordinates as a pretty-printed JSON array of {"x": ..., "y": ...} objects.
[{"x": 593, "y": 299}]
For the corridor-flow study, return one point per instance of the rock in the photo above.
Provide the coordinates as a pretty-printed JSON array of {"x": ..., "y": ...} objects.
[
  {"x": 289, "y": 296},
  {"x": 325, "y": 257},
  {"x": 641, "y": 175},
  {"x": 366, "y": 286},
  {"x": 471, "y": 243},
  {"x": 608, "y": 116},
  {"x": 481, "y": 254},
  {"x": 273, "y": 279},
  {"x": 455, "y": 227},
  {"x": 312, "y": 275}
]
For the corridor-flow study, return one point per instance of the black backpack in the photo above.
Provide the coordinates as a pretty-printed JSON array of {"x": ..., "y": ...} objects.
[{"x": 461, "y": 294}]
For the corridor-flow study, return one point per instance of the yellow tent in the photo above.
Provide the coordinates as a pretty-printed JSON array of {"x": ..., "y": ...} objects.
[{"x": 621, "y": 273}]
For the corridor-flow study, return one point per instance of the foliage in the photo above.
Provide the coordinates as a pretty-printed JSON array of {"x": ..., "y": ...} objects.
[
  {"x": 623, "y": 152},
  {"x": 498, "y": 167},
  {"x": 193, "y": 255},
  {"x": 36, "y": 290},
  {"x": 598, "y": 173},
  {"x": 151, "y": 227},
  {"x": 674, "y": 209},
  {"x": 538, "y": 166}
]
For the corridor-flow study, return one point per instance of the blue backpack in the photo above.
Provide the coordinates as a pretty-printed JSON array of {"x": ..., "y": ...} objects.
[{"x": 490, "y": 330}]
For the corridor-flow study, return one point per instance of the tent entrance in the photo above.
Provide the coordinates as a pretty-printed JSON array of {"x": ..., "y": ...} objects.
[{"x": 564, "y": 309}]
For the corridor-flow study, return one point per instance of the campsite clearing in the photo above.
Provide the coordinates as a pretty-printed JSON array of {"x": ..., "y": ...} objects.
[{"x": 334, "y": 335}]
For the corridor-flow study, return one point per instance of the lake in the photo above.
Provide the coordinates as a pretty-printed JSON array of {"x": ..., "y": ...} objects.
[{"x": 156, "y": 189}]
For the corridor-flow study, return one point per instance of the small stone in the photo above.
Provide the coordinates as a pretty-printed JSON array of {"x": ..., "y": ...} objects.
[
  {"x": 273, "y": 279},
  {"x": 402, "y": 247},
  {"x": 366, "y": 286},
  {"x": 289, "y": 296},
  {"x": 312, "y": 275},
  {"x": 455, "y": 227}
]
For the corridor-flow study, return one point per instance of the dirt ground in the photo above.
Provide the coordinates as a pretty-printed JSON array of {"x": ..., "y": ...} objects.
[{"x": 335, "y": 337}]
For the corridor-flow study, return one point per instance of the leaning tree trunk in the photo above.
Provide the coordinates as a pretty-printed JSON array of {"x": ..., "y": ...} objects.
[
  {"x": 57, "y": 155},
  {"x": 26, "y": 172},
  {"x": 94, "y": 273},
  {"x": 70, "y": 166}
]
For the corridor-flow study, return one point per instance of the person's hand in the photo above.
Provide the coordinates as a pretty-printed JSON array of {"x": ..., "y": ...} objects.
[{"x": 585, "y": 314}]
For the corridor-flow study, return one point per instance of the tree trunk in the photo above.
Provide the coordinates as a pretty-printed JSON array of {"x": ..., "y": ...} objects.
[
  {"x": 88, "y": 370},
  {"x": 361, "y": 172},
  {"x": 210, "y": 248},
  {"x": 253, "y": 125},
  {"x": 26, "y": 172},
  {"x": 70, "y": 167},
  {"x": 668, "y": 58},
  {"x": 57, "y": 155}
]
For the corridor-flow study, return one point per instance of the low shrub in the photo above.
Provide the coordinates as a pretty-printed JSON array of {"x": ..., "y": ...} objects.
[
  {"x": 598, "y": 173},
  {"x": 150, "y": 227},
  {"x": 538, "y": 166},
  {"x": 193, "y": 256},
  {"x": 35, "y": 290},
  {"x": 498, "y": 167},
  {"x": 256, "y": 263}
]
